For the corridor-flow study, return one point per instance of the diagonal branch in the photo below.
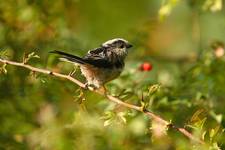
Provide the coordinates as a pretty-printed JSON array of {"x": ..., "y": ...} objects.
[{"x": 110, "y": 97}]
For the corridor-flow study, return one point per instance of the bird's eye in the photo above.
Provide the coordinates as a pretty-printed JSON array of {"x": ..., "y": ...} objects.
[{"x": 121, "y": 46}]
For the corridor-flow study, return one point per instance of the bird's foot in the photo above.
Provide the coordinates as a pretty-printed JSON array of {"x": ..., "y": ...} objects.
[
  {"x": 90, "y": 87},
  {"x": 86, "y": 86}
]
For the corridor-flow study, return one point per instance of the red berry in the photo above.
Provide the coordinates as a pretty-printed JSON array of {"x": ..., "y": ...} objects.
[{"x": 146, "y": 66}]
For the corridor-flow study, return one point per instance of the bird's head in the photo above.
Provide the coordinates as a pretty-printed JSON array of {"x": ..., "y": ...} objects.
[{"x": 119, "y": 46}]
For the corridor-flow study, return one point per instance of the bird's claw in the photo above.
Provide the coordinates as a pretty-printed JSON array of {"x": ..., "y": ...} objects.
[
  {"x": 94, "y": 88},
  {"x": 89, "y": 87}
]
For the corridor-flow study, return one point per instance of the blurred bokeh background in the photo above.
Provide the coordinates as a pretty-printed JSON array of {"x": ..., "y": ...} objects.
[{"x": 181, "y": 41}]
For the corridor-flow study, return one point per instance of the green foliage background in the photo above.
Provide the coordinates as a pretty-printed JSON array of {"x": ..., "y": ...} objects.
[{"x": 41, "y": 112}]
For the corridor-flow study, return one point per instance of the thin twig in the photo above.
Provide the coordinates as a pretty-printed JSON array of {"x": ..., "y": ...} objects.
[{"x": 110, "y": 97}]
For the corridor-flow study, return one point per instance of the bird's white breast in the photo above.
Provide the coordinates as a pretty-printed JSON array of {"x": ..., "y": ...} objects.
[{"x": 99, "y": 76}]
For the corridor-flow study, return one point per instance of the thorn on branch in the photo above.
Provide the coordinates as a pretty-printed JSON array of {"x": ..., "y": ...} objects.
[
  {"x": 50, "y": 73},
  {"x": 33, "y": 73}
]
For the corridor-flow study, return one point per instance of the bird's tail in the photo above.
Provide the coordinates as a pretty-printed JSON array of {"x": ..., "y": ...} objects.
[{"x": 69, "y": 57}]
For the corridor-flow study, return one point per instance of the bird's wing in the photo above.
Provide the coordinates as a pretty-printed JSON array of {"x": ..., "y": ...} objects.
[
  {"x": 98, "y": 57},
  {"x": 98, "y": 53}
]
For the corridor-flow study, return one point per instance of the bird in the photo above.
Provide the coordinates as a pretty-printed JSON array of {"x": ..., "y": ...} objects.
[{"x": 102, "y": 64}]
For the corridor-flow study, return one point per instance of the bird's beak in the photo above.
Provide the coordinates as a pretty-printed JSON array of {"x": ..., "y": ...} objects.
[{"x": 129, "y": 45}]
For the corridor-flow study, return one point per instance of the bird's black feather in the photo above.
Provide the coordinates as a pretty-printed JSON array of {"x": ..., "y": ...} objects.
[
  {"x": 69, "y": 57},
  {"x": 94, "y": 57},
  {"x": 98, "y": 57}
]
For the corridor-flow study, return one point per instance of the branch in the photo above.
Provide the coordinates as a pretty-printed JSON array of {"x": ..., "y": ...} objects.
[{"x": 110, "y": 97}]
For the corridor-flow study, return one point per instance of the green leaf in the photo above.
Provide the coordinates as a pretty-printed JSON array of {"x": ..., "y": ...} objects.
[
  {"x": 213, "y": 5},
  {"x": 198, "y": 119},
  {"x": 214, "y": 132},
  {"x": 3, "y": 69},
  {"x": 80, "y": 98},
  {"x": 109, "y": 116},
  {"x": 217, "y": 117},
  {"x": 215, "y": 146},
  {"x": 166, "y": 8},
  {"x": 203, "y": 135},
  {"x": 108, "y": 122},
  {"x": 3, "y": 53},
  {"x": 29, "y": 56},
  {"x": 154, "y": 88},
  {"x": 122, "y": 117}
]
